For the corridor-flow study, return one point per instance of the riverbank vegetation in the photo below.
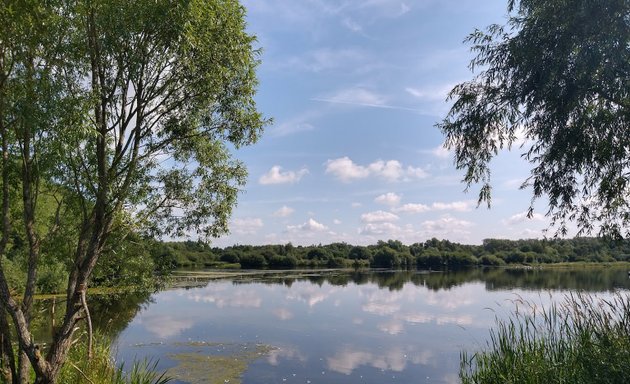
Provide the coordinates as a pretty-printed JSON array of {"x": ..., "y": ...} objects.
[
  {"x": 431, "y": 254},
  {"x": 580, "y": 340}
]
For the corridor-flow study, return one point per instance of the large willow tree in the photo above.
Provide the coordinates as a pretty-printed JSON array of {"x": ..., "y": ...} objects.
[
  {"x": 123, "y": 111},
  {"x": 558, "y": 72}
]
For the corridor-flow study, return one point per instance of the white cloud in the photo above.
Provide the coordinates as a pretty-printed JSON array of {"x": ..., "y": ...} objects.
[
  {"x": 362, "y": 97},
  {"x": 446, "y": 224},
  {"x": 379, "y": 217},
  {"x": 457, "y": 206},
  {"x": 246, "y": 226},
  {"x": 337, "y": 221},
  {"x": 309, "y": 226},
  {"x": 380, "y": 229},
  {"x": 412, "y": 208},
  {"x": 441, "y": 152},
  {"x": 284, "y": 211},
  {"x": 520, "y": 218},
  {"x": 434, "y": 93},
  {"x": 347, "y": 170},
  {"x": 389, "y": 198},
  {"x": 276, "y": 176},
  {"x": 356, "y": 205}
]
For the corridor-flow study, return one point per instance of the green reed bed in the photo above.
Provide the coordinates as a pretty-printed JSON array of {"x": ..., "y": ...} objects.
[
  {"x": 583, "y": 339},
  {"x": 101, "y": 368}
]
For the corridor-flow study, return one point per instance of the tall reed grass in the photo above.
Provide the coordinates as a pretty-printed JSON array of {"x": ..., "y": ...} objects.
[
  {"x": 582, "y": 339},
  {"x": 101, "y": 368}
]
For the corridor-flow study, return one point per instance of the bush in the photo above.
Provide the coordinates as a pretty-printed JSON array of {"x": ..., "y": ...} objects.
[
  {"x": 491, "y": 260},
  {"x": 336, "y": 262},
  {"x": 252, "y": 260},
  {"x": 282, "y": 262}
]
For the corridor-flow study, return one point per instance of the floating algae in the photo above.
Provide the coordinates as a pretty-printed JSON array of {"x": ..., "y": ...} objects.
[{"x": 200, "y": 368}]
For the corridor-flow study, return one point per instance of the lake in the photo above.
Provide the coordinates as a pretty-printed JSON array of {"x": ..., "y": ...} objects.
[{"x": 334, "y": 326}]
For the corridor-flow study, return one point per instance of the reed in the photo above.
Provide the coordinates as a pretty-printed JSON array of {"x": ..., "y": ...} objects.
[
  {"x": 582, "y": 339},
  {"x": 101, "y": 368}
]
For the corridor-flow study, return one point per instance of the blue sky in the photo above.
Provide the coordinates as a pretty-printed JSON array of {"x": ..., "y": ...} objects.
[{"x": 355, "y": 88}]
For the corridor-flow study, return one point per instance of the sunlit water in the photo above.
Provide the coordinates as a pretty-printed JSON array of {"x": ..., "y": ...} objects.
[{"x": 386, "y": 327}]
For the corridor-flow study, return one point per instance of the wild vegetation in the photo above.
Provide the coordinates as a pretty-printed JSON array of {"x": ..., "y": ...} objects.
[
  {"x": 556, "y": 75},
  {"x": 116, "y": 118},
  {"x": 431, "y": 254},
  {"x": 580, "y": 340}
]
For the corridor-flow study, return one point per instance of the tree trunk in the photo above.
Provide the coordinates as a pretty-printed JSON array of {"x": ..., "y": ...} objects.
[{"x": 6, "y": 350}]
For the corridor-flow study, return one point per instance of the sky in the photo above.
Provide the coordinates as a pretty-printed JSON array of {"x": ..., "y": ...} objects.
[{"x": 355, "y": 88}]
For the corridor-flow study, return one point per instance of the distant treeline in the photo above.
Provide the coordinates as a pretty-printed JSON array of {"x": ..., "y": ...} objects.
[{"x": 432, "y": 254}]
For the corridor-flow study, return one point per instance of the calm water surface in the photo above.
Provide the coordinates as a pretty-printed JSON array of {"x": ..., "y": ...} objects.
[{"x": 341, "y": 327}]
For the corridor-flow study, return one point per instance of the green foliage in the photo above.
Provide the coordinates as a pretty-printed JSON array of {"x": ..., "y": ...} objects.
[
  {"x": 101, "y": 369},
  {"x": 52, "y": 277},
  {"x": 581, "y": 340},
  {"x": 556, "y": 73},
  {"x": 433, "y": 254}
]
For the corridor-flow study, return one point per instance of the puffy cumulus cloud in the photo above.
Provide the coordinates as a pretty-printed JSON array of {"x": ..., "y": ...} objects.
[
  {"x": 378, "y": 217},
  {"x": 379, "y": 229},
  {"x": 277, "y": 176},
  {"x": 246, "y": 226},
  {"x": 309, "y": 226},
  {"x": 520, "y": 218},
  {"x": 457, "y": 206},
  {"x": 389, "y": 198},
  {"x": 446, "y": 223},
  {"x": 284, "y": 211},
  {"x": 346, "y": 170},
  {"x": 412, "y": 208}
]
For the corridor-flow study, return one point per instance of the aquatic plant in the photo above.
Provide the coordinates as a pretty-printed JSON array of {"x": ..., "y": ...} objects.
[{"x": 582, "y": 339}]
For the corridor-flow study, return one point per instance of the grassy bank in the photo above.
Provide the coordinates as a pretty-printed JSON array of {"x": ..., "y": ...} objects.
[{"x": 580, "y": 340}]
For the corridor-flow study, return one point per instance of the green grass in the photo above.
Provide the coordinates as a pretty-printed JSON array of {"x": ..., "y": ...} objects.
[
  {"x": 582, "y": 339},
  {"x": 101, "y": 369}
]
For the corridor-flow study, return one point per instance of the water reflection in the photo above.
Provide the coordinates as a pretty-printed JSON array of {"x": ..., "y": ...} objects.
[{"x": 340, "y": 327}]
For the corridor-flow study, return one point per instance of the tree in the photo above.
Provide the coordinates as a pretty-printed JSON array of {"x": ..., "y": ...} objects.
[
  {"x": 125, "y": 110},
  {"x": 557, "y": 74}
]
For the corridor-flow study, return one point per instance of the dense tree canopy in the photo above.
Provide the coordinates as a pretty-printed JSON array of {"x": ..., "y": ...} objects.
[
  {"x": 558, "y": 74},
  {"x": 120, "y": 115}
]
